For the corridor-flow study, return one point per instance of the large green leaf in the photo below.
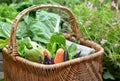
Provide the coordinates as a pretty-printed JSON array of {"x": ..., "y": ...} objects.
[
  {"x": 44, "y": 26},
  {"x": 23, "y": 29},
  {"x": 41, "y": 32},
  {"x": 4, "y": 33},
  {"x": 39, "y": 29},
  {"x": 5, "y": 29}
]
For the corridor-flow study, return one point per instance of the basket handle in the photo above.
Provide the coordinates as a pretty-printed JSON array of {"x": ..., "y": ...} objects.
[{"x": 12, "y": 47}]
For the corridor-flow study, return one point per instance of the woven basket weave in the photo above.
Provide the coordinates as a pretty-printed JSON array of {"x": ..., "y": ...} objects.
[{"x": 87, "y": 68}]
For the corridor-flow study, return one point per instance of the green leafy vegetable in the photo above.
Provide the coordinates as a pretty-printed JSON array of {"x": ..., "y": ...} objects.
[
  {"x": 4, "y": 33},
  {"x": 30, "y": 50},
  {"x": 39, "y": 29},
  {"x": 24, "y": 26},
  {"x": 44, "y": 26},
  {"x": 57, "y": 40},
  {"x": 72, "y": 51},
  {"x": 40, "y": 32}
]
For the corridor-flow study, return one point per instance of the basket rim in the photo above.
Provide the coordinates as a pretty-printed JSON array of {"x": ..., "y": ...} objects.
[{"x": 98, "y": 53}]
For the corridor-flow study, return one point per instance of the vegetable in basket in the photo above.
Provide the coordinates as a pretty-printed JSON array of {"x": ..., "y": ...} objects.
[
  {"x": 30, "y": 50},
  {"x": 47, "y": 57},
  {"x": 58, "y": 49},
  {"x": 72, "y": 50},
  {"x": 56, "y": 41},
  {"x": 66, "y": 56},
  {"x": 59, "y": 56}
]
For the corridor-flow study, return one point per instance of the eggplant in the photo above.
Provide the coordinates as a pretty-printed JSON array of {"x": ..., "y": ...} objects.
[{"x": 66, "y": 56}]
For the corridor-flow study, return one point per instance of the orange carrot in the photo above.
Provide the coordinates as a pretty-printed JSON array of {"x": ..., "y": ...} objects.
[
  {"x": 47, "y": 57},
  {"x": 47, "y": 53},
  {"x": 59, "y": 56}
]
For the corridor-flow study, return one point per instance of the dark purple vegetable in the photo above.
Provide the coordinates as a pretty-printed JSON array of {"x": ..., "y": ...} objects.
[
  {"x": 40, "y": 60},
  {"x": 48, "y": 60},
  {"x": 45, "y": 60},
  {"x": 52, "y": 61},
  {"x": 77, "y": 55},
  {"x": 66, "y": 56}
]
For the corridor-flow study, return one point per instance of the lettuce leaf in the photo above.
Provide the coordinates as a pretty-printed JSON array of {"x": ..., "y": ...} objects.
[
  {"x": 56, "y": 41},
  {"x": 30, "y": 49}
]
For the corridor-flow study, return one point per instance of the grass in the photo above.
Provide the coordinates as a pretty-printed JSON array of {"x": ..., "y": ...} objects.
[{"x": 1, "y": 79}]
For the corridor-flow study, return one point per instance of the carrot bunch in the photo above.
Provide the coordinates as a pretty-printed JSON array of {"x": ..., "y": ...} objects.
[{"x": 61, "y": 56}]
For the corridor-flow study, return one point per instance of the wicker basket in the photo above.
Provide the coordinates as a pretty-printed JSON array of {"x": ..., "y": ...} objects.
[{"x": 87, "y": 68}]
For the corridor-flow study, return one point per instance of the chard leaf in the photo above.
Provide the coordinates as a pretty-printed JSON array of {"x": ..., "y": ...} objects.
[
  {"x": 72, "y": 50},
  {"x": 59, "y": 39},
  {"x": 56, "y": 41}
]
